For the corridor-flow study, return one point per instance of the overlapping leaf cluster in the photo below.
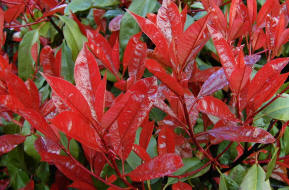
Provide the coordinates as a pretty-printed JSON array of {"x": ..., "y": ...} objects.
[{"x": 179, "y": 95}]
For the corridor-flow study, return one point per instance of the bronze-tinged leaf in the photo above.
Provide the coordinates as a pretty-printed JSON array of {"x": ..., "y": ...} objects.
[{"x": 240, "y": 134}]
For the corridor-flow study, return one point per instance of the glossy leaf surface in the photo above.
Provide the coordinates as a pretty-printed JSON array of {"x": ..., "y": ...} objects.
[
  {"x": 74, "y": 126},
  {"x": 255, "y": 179},
  {"x": 157, "y": 167},
  {"x": 155, "y": 68},
  {"x": 8, "y": 142},
  {"x": 70, "y": 95},
  {"x": 26, "y": 61},
  {"x": 240, "y": 134},
  {"x": 216, "y": 107}
]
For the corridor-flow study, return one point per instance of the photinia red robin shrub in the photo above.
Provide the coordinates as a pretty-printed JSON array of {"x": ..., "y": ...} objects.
[{"x": 144, "y": 94}]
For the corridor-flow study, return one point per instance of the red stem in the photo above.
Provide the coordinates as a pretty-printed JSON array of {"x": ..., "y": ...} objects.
[{"x": 191, "y": 131}]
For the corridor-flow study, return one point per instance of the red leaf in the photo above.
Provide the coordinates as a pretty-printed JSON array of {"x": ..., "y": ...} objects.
[
  {"x": 252, "y": 11},
  {"x": 157, "y": 167},
  {"x": 60, "y": 182},
  {"x": 184, "y": 16},
  {"x": 114, "y": 24},
  {"x": 58, "y": 9},
  {"x": 87, "y": 78},
  {"x": 216, "y": 107},
  {"x": 112, "y": 114},
  {"x": 241, "y": 74},
  {"x": 269, "y": 88},
  {"x": 238, "y": 20},
  {"x": 70, "y": 95},
  {"x": 191, "y": 41},
  {"x": 122, "y": 134},
  {"x": 29, "y": 186},
  {"x": 9, "y": 142},
  {"x": 271, "y": 7},
  {"x": 101, "y": 98},
  {"x": 82, "y": 185},
  {"x": 166, "y": 142},
  {"x": 266, "y": 82},
  {"x": 134, "y": 56},
  {"x": 160, "y": 104},
  {"x": 214, "y": 83},
  {"x": 240, "y": 134},
  {"x": 202, "y": 75},
  {"x": 191, "y": 105},
  {"x": 17, "y": 88},
  {"x": 49, "y": 4},
  {"x": 169, "y": 21},
  {"x": 146, "y": 134},
  {"x": 13, "y": 12},
  {"x": 33, "y": 117},
  {"x": 47, "y": 60},
  {"x": 181, "y": 186},
  {"x": 4, "y": 183},
  {"x": 34, "y": 94},
  {"x": 151, "y": 30},
  {"x": 152, "y": 17},
  {"x": 2, "y": 35},
  {"x": 68, "y": 166},
  {"x": 44, "y": 145},
  {"x": 258, "y": 39},
  {"x": 73, "y": 125},
  {"x": 141, "y": 152},
  {"x": 102, "y": 50},
  {"x": 58, "y": 103},
  {"x": 224, "y": 50},
  {"x": 250, "y": 60},
  {"x": 156, "y": 69}
]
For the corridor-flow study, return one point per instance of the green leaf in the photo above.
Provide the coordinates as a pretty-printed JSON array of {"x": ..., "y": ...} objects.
[
  {"x": 42, "y": 172},
  {"x": 74, "y": 148},
  {"x": 41, "y": 186},
  {"x": 25, "y": 60},
  {"x": 238, "y": 173},
  {"x": 285, "y": 143},
  {"x": 223, "y": 184},
  {"x": 18, "y": 178},
  {"x": 133, "y": 160},
  {"x": 72, "y": 36},
  {"x": 82, "y": 5},
  {"x": 284, "y": 188},
  {"x": 128, "y": 26},
  {"x": 230, "y": 184},
  {"x": 190, "y": 164},
  {"x": 29, "y": 147},
  {"x": 255, "y": 179},
  {"x": 271, "y": 164},
  {"x": 157, "y": 114},
  {"x": 15, "y": 163},
  {"x": 279, "y": 109},
  {"x": 67, "y": 64}
]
